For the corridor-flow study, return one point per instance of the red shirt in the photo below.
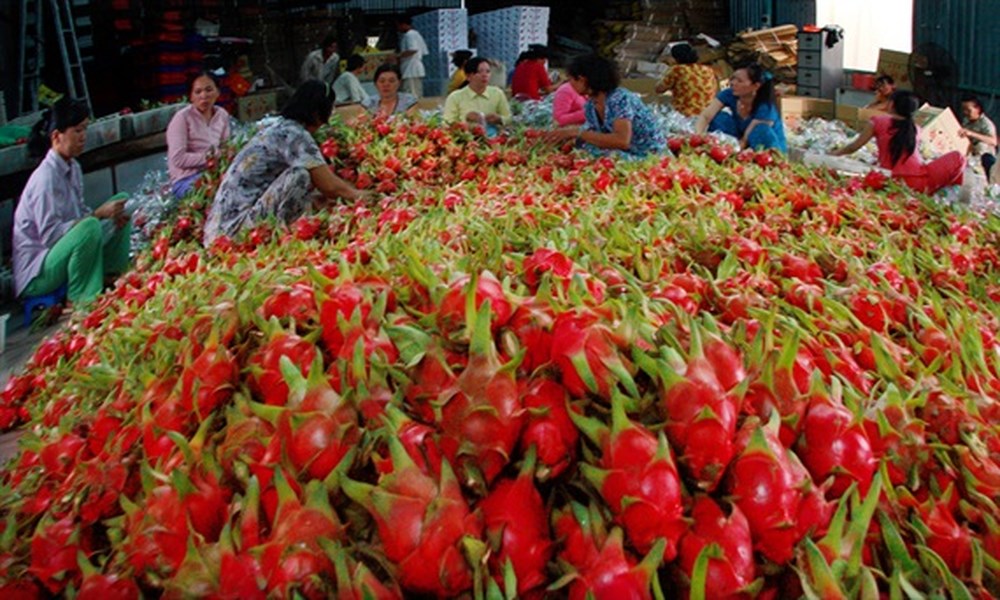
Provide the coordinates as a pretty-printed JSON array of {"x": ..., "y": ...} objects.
[{"x": 530, "y": 77}]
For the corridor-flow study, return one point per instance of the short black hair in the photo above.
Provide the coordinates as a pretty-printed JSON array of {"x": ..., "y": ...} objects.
[
  {"x": 65, "y": 113},
  {"x": 355, "y": 61},
  {"x": 472, "y": 65},
  {"x": 601, "y": 74},
  {"x": 311, "y": 104},
  {"x": 387, "y": 68},
  {"x": 458, "y": 57},
  {"x": 884, "y": 79},
  {"x": 684, "y": 54},
  {"x": 404, "y": 19},
  {"x": 329, "y": 39},
  {"x": 973, "y": 99}
]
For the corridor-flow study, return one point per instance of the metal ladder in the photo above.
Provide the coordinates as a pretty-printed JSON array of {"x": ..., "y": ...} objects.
[{"x": 32, "y": 49}]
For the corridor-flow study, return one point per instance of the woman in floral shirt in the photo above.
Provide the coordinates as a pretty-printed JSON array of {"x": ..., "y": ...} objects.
[
  {"x": 281, "y": 171},
  {"x": 616, "y": 119},
  {"x": 692, "y": 85}
]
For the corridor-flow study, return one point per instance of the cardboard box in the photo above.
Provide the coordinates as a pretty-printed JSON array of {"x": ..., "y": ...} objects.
[
  {"x": 640, "y": 85},
  {"x": 257, "y": 105},
  {"x": 855, "y": 116},
  {"x": 431, "y": 103},
  {"x": 940, "y": 129},
  {"x": 795, "y": 109},
  {"x": 896, "y": 65},
  {"x": 373, "y": 60}
]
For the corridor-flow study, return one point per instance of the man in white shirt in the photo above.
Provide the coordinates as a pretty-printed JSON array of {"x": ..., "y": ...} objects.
[
  {"x": 322, "y": 63},
  {"x": 347, "y": 89},
  {"x": 412, "y": 50}
]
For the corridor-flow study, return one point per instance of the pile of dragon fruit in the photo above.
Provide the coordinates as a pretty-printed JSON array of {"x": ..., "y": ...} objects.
[{"x": 527, "y": 372}]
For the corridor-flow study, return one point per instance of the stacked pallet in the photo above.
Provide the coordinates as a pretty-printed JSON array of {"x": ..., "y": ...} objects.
[
  {"x": 629, "y": 42},
  {"x": 775, "y": 48},
  {"x": 638, "y": 43}
]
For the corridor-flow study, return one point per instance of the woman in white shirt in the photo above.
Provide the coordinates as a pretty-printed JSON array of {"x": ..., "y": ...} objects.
[{"x": 347, "y": 89}]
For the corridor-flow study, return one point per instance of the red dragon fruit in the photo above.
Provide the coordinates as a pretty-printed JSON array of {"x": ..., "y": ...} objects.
[
  {"x": 834, "y": 444},
  {"x": 432, "y": 368},
  {"x": 156, "y": 535},
  {"x": 421, "y": 521},
  {"x": 482, "y": 417},
  {"x": 531, "y": 325},
  {"x": 727, "y": 545},
  {"x": 293, "y": 554},
  {"x": 701, "y": 418},
  {"x": 341, "y": 303},
  {"x": 517, "y": 526},
  {"x": 638, "y": 479},
  {"x": 356, "y": 582},
  {"x": 615, "y": 574},
  {"x": 266, "y": 381},
  {"x": 562, "y": 270},
  {"x": 452, "y": 310},
  {"x": 209, "y": 381},
  {"x": 54, "y": 547},
  {"x": 581, "y": 532},
  {"x": 585, "y": 350},
  {"x": 420, "y": 441},
  {"x": 549, "y": 427},
  {"x": 772, "y": 488},
  {"x": 318, "y": 429}
]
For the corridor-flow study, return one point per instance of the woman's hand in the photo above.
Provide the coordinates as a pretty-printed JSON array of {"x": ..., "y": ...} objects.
[
  {"x": 562, "y": 134},
  {"x": 366, "y": 196},
  {"x": 113, "y": 210}
]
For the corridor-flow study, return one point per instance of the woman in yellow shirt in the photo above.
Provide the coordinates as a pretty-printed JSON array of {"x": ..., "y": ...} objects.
[{"x": 458, "y": 58}]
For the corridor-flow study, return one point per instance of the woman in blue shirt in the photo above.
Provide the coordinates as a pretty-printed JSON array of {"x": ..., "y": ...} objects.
[
  {"x": 753, "y": 115},
  {"x": 616, "y": 119}
]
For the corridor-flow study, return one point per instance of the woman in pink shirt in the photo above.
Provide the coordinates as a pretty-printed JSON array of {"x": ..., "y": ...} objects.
[
  {"x": 896, "y": 137},
  {"x": 195, "y": 133},
  {"x": 567, "y": 106}
]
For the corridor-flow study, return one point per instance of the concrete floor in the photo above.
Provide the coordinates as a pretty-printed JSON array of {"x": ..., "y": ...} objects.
[{"x": 20, "y": 345}]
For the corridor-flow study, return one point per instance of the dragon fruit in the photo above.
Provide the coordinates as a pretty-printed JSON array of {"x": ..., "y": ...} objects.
[
  {"x": 585, "y": 350},
  {"x": 549, "y": 427},
  {"x": 615, "y": 574},
  {"x": 518, "y": 529},
  {"x": 701, "y": 417},
  {"x": 637, "y": 478},
  {"x": 769, "y": 486},
  {"x": 421, "y": 522},
  {"x": 833, "y": 444},
  {"x": 266, "y": 380},
  {"x": 481, "y": 417},
  {"x": 728, "y": 547}
]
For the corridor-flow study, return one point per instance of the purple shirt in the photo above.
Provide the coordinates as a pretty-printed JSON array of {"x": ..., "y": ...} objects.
[
  {"x": 190, "y": 137},
  {"x": 51, "y": 203}
]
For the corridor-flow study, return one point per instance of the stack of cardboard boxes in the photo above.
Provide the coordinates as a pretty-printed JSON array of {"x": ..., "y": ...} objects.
[
  {"x": 504, "y": 34},
  {"x": 444, "y": 31}
]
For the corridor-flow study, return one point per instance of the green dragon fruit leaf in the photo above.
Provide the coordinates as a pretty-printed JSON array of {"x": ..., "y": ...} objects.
[{"x": 956, "y": 589}]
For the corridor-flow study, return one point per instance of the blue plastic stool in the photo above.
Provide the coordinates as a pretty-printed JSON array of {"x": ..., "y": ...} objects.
[{"x": 44, "y": 300}]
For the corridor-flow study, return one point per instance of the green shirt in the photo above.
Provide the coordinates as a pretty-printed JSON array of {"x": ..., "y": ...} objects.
[
  {"x": 983, "y": 126},
  {"x": 461, "y": 102}
]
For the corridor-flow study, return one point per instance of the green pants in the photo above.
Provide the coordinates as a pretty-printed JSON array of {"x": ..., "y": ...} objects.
[{"x": 82, "y": 259}]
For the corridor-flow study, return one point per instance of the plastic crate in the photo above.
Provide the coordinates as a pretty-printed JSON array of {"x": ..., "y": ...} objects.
[
  {"x": 152, "y": 121},
  {"x": 103, "y": 132}
]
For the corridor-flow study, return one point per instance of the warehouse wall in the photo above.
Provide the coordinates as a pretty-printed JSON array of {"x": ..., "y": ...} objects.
[
  {"x": 8, "y": 55},
  {"x": 968, "y": 30}
]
